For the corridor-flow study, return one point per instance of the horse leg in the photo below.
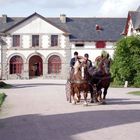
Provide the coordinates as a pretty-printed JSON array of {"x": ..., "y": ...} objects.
[
  {"x": 85, "y": 98},
  {"x": 78, "y": 96},
  {"x": 73, "y": 96},
  {"x": 91, "y": 94},
  {"x": 104, "y": 95},
  {"x": 99, "y": 95}
]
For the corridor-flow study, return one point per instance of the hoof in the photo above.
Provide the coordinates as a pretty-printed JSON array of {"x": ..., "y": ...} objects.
[
  {"x": 91, "y": 101},
  {"x": 85, "y": 104},
  {"x": 73, "y": 102},
  {"x": 104, "y": 102}
]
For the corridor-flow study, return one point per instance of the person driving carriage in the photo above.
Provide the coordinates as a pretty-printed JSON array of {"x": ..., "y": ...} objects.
[
  {"x": 87, "y": 61},
  {"x": 72, "y": 63},
  {"x": 73, "y": 60}
]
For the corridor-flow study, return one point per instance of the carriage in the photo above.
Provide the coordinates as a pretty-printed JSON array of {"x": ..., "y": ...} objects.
[
  {"x": 68, "y": 91},
  {"x": 87, "y": 81}
]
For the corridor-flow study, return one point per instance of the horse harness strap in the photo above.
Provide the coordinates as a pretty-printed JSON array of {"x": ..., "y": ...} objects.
[{"x": 78, "y": 81}]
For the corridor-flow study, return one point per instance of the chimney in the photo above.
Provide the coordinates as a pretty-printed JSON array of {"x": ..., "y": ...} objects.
[
  {"x": 63, "y": 18},
  {"x": 4, "y": 18}
]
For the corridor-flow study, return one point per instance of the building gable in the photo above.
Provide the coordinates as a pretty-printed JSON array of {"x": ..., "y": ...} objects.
[{"x": 34, "y": 24}]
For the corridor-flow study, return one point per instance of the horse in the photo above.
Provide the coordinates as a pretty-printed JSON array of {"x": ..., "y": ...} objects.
[
  {"x": 78, "y": 83},
  {"x": 101, "y": 78}
]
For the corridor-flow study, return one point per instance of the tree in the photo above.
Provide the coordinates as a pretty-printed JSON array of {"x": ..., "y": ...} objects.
[{"x": 126, "y": 61}]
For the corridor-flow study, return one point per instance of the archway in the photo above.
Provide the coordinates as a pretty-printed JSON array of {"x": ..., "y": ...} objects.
[{"x": 35, "y": 66}]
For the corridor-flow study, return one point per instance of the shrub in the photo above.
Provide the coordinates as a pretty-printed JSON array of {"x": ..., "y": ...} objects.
[
  {"x": 126, "y": 61},
  {"x": 2, "y": 98}
]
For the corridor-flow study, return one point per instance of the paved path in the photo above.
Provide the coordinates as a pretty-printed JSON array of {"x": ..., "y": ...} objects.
[{"x": 38, "y": 110}]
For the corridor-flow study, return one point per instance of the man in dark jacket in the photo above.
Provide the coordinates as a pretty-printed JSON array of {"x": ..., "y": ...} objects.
[
  {"x": 87, "y": 61},
  {"x": 72, "y": 63},
  {"x": 74, "y": 59}
]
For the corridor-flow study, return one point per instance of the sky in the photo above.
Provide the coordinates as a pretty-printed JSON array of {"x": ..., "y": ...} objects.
[{"x": 71, "y": 8}]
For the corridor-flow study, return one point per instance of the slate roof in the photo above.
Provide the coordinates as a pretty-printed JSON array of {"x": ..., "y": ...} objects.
[
  {"x": 135, "y": 16},
  {"x": 84, "y": 29},
  {"x": 80, "y": 29}
]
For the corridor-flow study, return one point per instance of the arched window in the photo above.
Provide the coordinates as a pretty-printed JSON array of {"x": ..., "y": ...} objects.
[
  {"x": 16, "y": 65},
  {"x": 54, "y": 64}
]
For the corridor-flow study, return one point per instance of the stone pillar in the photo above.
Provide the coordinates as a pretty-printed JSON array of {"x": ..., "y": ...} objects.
[
  {"x": 67, "y": 57},
  {"x": 4, "y": 66},
  {"x": 45, "y": 70},
  {"x": 26, "y": 71}
]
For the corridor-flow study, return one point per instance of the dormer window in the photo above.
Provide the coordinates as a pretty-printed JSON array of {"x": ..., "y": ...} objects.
[
  {"x": 98, "y": 27},
  {"x": 138, "y": 29}
]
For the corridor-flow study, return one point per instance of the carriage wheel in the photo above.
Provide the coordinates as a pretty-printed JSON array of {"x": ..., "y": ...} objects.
[{"x": 68, "y": 91}]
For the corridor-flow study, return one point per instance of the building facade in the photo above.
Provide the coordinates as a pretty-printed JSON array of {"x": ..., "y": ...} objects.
[{"x": 37, "y": 46}]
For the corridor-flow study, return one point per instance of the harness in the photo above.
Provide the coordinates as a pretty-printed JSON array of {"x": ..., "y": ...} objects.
[{"x": 78, "y": 81}]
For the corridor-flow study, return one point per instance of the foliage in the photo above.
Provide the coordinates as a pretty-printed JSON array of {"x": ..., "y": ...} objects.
[
  {"x": 126, "y": 61},
  {"x": 2, "y": 97},
  {"x": 4, "y": 85}
]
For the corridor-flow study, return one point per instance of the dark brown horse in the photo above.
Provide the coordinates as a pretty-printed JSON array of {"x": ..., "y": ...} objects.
[
  {"x": 78, "y": 83},
  {"x": 100, "y": 78}
]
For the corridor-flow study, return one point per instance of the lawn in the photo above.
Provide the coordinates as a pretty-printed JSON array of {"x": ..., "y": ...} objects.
[{"x": 135, "y": 93}]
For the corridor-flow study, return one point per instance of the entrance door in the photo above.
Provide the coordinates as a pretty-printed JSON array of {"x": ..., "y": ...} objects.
[{"x": 35, "y": 66}]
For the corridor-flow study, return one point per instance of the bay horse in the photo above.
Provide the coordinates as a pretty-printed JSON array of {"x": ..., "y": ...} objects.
[
  {"x": 101, "y": 78},
  {"x": 78, "y": 83}
]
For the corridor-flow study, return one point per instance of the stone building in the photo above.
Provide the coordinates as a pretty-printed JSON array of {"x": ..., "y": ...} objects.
[{"x": 38, "y": 46}]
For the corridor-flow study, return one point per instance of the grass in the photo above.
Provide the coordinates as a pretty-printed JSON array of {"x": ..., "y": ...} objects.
[
  {"x": 2, "y": 98},
  {"x": 4, "y": 85},
  {"x": 135, "y": 93}
]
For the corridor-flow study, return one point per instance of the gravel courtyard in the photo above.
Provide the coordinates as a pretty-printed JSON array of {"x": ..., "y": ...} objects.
[{"x": 38, "y": 110}]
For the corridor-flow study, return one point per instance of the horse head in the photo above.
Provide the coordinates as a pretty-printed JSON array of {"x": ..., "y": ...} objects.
[{"x": 79, "y": 68}]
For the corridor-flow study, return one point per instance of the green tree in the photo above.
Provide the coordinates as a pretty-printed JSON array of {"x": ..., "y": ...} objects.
[{"x": 126, "y": 61}]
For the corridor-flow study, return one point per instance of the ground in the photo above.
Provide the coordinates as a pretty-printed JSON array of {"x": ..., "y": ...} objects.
[{"x": 38, "y": 110}]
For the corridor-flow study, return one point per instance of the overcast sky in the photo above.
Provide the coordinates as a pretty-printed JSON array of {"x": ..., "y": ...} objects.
[{"x": 72, "y": 8}]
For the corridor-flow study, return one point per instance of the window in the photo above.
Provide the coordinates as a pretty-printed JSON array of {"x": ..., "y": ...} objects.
[
  {"x": 16, "y": 64},
  {"x": 100, "y": 44},
  {"x": 35, "y": 40},
  {"x": 54, "y": 40},
  {"x": 79, "y": 44},
  {"x": 54, "y": 64},
  {"x": 16, "y": 40}
]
